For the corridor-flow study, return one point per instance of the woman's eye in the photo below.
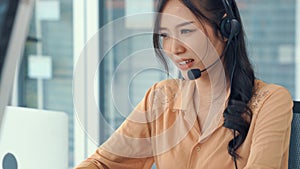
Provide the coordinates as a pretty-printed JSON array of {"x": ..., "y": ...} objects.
[
  {"x": 163, "y": 35},
  {"x": 185, "y": 31}
]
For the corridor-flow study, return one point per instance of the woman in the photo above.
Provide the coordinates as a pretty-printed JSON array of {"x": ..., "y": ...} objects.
[{"x": 217, "y": 116}]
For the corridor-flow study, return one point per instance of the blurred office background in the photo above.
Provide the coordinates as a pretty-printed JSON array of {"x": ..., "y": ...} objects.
[{"x": 61, "y": 29}]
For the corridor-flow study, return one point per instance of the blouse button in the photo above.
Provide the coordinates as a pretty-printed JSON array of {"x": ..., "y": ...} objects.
[{"x": 198, "y": 148}]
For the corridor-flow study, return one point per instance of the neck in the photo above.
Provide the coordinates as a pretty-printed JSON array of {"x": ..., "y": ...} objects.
[{"x": 213, "y": 84}]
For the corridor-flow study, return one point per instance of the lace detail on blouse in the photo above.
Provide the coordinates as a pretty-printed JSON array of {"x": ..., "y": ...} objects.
[{"x": 259, "y": 95}]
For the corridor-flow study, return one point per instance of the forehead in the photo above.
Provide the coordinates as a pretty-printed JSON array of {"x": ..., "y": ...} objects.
[{"x": 174, "y": 12}]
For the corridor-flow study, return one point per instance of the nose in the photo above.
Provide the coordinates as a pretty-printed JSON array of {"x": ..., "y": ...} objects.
[{"x": 174, "y": 46}]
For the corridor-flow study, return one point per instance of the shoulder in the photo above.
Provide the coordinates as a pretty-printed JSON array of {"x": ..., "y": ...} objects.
[
  {"x": 268, "y": 94},
  {"x": 263, "y": 89}
]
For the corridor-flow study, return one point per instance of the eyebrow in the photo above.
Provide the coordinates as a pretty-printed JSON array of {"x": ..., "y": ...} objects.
[{"x": 179, "y": 25}]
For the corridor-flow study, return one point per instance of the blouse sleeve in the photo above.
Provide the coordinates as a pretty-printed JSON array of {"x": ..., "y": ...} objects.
[
  {"x": 130, "y": 146},
  {"x": 271, "y": 137}
]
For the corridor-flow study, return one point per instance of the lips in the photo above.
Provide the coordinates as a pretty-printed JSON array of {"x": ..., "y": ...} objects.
[
  {"x": 185, "y": 64},
  {"x": 186, "y": 61}
]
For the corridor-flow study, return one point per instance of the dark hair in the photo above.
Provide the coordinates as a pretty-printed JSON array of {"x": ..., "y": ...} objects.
[{"x": 237, "y": 115}]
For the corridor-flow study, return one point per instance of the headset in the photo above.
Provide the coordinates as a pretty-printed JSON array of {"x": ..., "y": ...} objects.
[{"x": 229, "y": 25}]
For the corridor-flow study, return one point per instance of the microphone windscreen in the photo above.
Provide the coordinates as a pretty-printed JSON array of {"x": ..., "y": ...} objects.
[{"x": 194, "y": 74}]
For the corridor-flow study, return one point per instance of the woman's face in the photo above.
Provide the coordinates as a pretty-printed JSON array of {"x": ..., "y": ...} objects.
[{"x": 189, "y": 43}]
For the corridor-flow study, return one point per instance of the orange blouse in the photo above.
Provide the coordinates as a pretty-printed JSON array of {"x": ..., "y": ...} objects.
[{"x": 164, "y": 129}]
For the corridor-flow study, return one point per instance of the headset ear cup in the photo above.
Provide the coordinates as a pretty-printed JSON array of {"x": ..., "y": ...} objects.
[
  {"x": 235, "y": 27},
  {"x": 229, "y": 26},
  {"x": 225, "y": 27}
]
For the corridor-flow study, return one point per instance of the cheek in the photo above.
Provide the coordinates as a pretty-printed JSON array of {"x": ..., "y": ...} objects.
[
  {"x": 220, "y": 46},
  {"x": 202, "y": 47},
  {"x": 166, "y": 46},
  {"x": 217, "y": 42},
  {"x": 197, "y": 44}
]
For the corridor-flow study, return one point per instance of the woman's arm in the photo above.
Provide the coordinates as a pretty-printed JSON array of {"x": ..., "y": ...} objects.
[
  {"x": 104, "y": 160},
  {"x": 271, "y": 137},
  {"x": 130, "y": 146}
]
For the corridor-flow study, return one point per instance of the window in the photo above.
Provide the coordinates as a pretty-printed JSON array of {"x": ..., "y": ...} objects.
[{"x": 127, "y": 66}]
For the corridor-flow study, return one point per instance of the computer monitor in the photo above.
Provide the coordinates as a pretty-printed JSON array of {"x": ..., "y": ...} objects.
[
  {"x": 15, "y": 16},
  {"x": 34, "y": 139}
]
